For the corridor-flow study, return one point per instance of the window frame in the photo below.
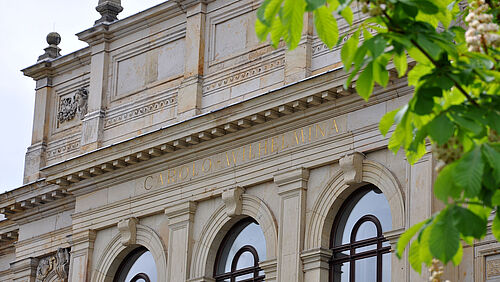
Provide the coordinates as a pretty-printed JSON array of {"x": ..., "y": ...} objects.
[
  {"x": 127, "y": 263},
  {"x": 234, "y": 273},
  {"x": 352, "y": 257}
]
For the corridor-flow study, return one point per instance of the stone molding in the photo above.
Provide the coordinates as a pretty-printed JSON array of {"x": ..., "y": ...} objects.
[
  {"x": 292, "y": 179},
  {"x": 134, "y": 113},
  {"x": 180, "y": 212},
  {"x": 219, "y": 223},
  {"x": 316, "y": 258},
  {"x": 270, "y": 268},
  {"x": 253, "y": 116},
  {"x": 233, "y": 201},
  {"x": 110, "y": 257},
  {"x": 336, "y": 191},
  {"x": 128, "y": 231},
  {"x": 24, "y": 269},
  {"x": 352, "y": 167}
]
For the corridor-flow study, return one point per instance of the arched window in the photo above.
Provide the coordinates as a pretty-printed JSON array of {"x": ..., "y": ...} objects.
[
  {"x": 360, "y": 251},
  {"x": 240, "y": 252},
  {"x": 138, "y": 266}
]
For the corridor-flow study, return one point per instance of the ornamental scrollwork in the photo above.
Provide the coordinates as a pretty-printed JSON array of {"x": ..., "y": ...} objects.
[
  {"x": 57, "y": 264},
  {"x": 71, "y": 106}
]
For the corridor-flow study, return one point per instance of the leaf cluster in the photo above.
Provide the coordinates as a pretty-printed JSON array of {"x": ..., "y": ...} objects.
[{"x": 455, "y": 108}]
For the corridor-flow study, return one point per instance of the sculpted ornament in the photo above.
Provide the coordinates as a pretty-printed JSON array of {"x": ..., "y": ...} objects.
[
  {"x": 57, "y": 263},
  {"x": 71, "y": 106}
]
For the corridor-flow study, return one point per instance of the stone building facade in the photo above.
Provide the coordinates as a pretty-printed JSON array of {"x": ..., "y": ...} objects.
[{"x": 177, "y": 147}]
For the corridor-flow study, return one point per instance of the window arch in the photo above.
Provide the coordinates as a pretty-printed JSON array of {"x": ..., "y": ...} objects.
[
  {"x": 360, "y": 251},
  {"x": 138, "y": 266},
  {"x": 240, "y": 252}
]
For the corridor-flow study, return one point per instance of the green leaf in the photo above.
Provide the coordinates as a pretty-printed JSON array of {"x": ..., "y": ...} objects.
[
  {"x": 261, "y": 29},
  {"x": 349, "y": 50},
  {"x": 405, "y": 238},
  {"x": 444, "y": 186},
  {"x": 314, "y": 4},
  {"x": 430, "y": 47},
  {"x": 402, "y": 134},
  {"x": 400, "y": 63},
  {"x": 380, "y": 74},
  {"x": 495, "y": 228},
  {"x": 423, "y": 101},
  {"x": 444, "y": 237},
  {"x": 495, "y": 200},
  {"x": 467, "y": 123},
  {"x": 387, "y": 121},
  {"x": 414, "y": 256},
  {"x": 469, "y": 172},
  {"x": 458, "y": 256},
  {"x": 268, "y": 11},
  {"x": 441, "y": 129},
  {"x": 364, "y": 84},
  {"x": 293, "y": 16},
  {"x": 326, "y": 26},
  {"x": 468, "y": 223},
  {"x": 376, "y": 45},
  {"x": 425, "y": 240},
  {"x": 277, "y": 32},
  {"x": 493, "y": 158},
  {"x": 347, "y": 14},
  {"x": 426, "y": 7}
]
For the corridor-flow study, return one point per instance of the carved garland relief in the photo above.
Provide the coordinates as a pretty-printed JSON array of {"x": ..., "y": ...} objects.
[
  {"x": 57, "y": 263},
  {"x": 69, "y": 107}
]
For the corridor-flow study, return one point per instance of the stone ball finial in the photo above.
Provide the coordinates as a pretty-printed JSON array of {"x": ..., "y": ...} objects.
[{"x": 53, "y": 38}]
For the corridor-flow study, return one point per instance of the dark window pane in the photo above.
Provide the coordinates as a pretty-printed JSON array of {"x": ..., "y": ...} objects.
[{"x": 144, "y": 264}]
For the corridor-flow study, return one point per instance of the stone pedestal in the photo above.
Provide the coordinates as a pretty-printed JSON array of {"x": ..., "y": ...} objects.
[
  {"x": 292, "y": 185},
  {"x": 180, "y": 240}
]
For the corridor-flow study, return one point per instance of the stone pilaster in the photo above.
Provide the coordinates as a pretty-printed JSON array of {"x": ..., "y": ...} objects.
[
  {"x": 93, "y": 123},
  {"x": 82, "y": 248},
  {"x": 180, "y": 241},
  {"x": 24, "y": 270},
  {"x": 316, "y": 266},
  {"x": 298, "y": 60},
  {"x": 292, "y": 185},
  {"x": 35, "y": 156},
  {"x": 190, "y": 92}
]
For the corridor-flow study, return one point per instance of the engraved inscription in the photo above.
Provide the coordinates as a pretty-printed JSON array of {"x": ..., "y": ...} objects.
[{"x": 244, "y": 154}]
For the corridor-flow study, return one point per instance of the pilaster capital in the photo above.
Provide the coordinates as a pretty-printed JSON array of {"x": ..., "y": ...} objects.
[
  {"x": 352, "y": 167},
  {"x": 181, "y": 212},
  {"x": 233, "y": 201},
  {"x": 270, "y": 268},
  {"x": 291, "y": 180},
  {"x": 393, "y": 236},
  {"x": 82, "y": 240},
  {"x": 316, "y": 258}
]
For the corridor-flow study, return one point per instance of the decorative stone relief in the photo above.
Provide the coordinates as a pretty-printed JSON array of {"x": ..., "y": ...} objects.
[
  {"x": 71, "y": 106},
  {"x": 57, "y": 263},
  {"x": 352, "y": 167},
  {"x": 128, "y": 231},
  {"x": 232, "y": 200}
]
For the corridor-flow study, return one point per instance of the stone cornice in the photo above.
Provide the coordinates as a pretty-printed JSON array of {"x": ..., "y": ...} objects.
[
  {"x": 187, "y": 134},
  {"x": 50, "y": 67}
]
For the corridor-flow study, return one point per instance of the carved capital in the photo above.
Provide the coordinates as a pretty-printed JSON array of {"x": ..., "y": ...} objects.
[
  {"x": 232, "y": 200},
  {"x": 128, "y": 231},
  {"x": 352, "y": 167}
]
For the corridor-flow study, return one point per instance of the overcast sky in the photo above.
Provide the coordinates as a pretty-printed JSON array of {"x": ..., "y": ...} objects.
[{"x": 24, "y": 25}]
